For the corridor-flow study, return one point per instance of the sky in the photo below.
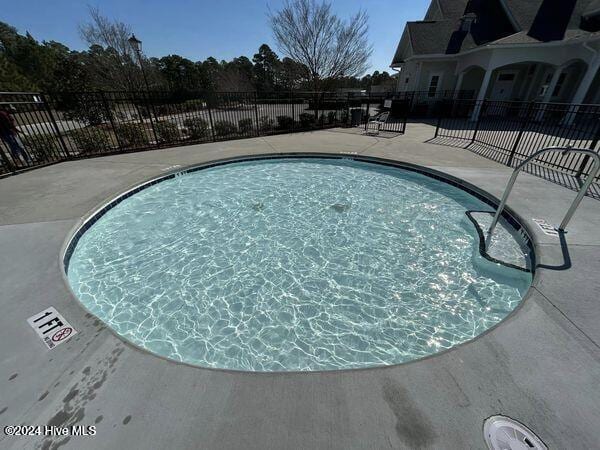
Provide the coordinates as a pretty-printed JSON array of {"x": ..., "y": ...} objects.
[{"x": 197, "y": 29}]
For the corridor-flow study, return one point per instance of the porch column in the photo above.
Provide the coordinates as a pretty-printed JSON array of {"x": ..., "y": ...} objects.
[
  {"x": 548, "y": 94},
  {"x": 532, "y": 85},
  {"x": 458, "y": 84},
  {"x": 481, "y": 95},
  {"x": 583, "y": 89}
]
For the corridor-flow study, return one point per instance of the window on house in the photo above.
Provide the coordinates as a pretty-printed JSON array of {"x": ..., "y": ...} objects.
[
  {"x": 433, "y": 85},
  {"x": 559, "y": 84},
  {"x": 406, "y": 80}
]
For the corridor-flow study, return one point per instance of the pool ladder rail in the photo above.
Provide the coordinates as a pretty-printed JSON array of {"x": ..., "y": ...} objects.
[{"x": 582, "y": 190}]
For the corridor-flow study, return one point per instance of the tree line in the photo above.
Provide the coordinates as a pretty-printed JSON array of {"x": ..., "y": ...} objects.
[{"x": 110, "y": 64}]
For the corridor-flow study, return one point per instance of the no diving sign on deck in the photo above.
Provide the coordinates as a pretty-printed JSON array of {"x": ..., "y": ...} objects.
[{"x": 51, "y": 327}]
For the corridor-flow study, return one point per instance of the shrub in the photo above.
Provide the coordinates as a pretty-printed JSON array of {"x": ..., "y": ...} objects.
[
  {"x": 306, "y": 120},
  {"x": 345, "y": 117},
  {"x": 265, "y": 123},
  {"x": 132, "y": 134},
  {"x": 162, "y": 110},
  {"x": 41, "y": 146},
  {"x": 90, "y": 140},
  {"x": 166, "y": 131},
  {"x": 331, "y": 117},
  {"x": 85, "y": 107},
  {"x": 285, "y": 122},
  {"x": 144, "y": 111},
  {"x": 245, "y": 125},
  {"x": 120, "y": 115},
  {"x": 192, "y": 105},
  {"x": 224, "y": 128},
  {"x": 197, "y": 128}
]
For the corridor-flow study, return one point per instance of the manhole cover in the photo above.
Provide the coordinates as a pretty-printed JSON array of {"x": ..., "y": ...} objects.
[{"x": 504, "y": 433}]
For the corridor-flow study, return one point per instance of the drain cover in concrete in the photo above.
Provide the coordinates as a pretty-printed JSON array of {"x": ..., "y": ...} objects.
[{"x": 504, "y": 433}]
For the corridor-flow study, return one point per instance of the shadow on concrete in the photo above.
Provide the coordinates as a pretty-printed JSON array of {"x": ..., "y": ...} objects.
[
  {"x": 539, "y": 169},
  {"x": 566, "y": 257},
  {"x": 361, "y": 131}
]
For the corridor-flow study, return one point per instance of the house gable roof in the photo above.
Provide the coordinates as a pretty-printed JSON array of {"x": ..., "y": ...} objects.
[
  {"x": 497, "y": 22},
  {"x": 593, "y": 8},
  {"x": 453, "y": 9}
]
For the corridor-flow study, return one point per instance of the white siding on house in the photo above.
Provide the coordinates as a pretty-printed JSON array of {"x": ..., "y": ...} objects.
[{"x": 445, "y": 68}]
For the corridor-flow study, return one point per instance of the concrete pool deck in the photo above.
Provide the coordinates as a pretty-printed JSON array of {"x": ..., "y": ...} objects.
[{"x": 541, "y": 366}]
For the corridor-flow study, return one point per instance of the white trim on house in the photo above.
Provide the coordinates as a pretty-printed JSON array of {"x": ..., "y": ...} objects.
[{"x": 577, "y": 40}]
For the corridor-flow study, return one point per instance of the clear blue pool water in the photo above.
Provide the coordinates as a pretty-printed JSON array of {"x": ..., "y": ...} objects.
[{"x": 294, "y": 265}]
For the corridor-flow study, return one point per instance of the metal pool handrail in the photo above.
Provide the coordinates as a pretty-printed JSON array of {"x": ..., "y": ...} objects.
[{"x": 582, "y": 191}]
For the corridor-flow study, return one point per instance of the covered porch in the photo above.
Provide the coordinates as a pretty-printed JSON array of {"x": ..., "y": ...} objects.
[{"x": 545, "y": 75}]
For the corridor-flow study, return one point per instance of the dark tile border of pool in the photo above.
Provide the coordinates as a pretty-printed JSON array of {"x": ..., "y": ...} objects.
[
  {"x": 507, "y": 214},
  {"x": 510, "y": 216}
]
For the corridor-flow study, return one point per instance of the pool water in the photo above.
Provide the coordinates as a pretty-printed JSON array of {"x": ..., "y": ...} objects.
[{"x": 294, "y": 265}]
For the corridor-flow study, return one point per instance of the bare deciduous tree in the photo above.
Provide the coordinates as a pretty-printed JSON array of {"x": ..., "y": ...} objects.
[
  {"x": 118, "y": 57},
  {"x": 311, "y": 34}
]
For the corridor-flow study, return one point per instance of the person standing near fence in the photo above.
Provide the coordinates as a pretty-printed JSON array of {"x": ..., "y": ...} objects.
[{"x": 9, "y": 135}]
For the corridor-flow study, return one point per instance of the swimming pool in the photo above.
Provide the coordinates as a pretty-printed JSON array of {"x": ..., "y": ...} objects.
[{"x": 294, "y": 264}]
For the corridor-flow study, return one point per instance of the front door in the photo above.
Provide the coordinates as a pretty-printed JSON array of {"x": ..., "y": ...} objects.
[{"x": 503, "y": 86}]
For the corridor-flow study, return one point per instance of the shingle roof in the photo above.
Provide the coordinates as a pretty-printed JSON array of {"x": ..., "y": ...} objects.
[
  {"x": 446, "y": 37},
  {"x": 433, "y": 37},
  {"x": 592, "y": 8},
  {"x": 537, "y": 21},
  {"x": 524, "y": 11},
  {"x": 453, "y": 9},
  {"x": 523, "y": 38}
]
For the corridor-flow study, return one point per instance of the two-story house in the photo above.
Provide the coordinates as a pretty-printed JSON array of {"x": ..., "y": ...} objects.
[{"x": 526, "y": 50}]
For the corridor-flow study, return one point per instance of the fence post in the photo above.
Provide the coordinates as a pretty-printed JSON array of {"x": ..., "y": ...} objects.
[
  {"x": 55, "y": 126},
  {"x": 406, "y": 112},
  {"x": 293, "y": 110},
  {"x": 368, "y": 107},
  {"x": 256, "y": 113},
  {"x": 212, "y": 128},
  {"x": 348, "y": 114},
  {"x": 316, "y": 100},
  {"x": 479, "y": 115},
  {"x": 321, "y": 116},
  {"x": 593, "y": 145},
  {"x": 7, "y": 161},
  {"x": 522, "y": 128},
  {"x": 437, "y": 126},
  {"x": 150, "y": 109},
  {"x": 110, "y": 118}
]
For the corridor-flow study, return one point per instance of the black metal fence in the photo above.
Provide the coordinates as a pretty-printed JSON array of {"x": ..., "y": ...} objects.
[
  {"x": 56, "y": 127},
  {"x": 508, "y": 132},
  {"x": 62, "y": 126}
]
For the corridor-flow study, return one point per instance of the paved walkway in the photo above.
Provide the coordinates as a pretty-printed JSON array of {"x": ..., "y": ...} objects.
[{"x": 540, "y": 366}]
